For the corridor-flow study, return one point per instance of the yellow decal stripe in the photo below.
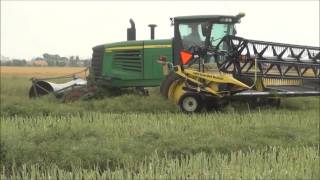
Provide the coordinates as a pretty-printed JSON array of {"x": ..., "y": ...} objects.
[
  {"x": 137, "y": 47},
  {"x": 123, "y": 48},
  {"x": 158, "y": 46}
]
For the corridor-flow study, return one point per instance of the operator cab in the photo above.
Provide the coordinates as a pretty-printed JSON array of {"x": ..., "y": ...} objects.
[{"x": 201, "y": 32}]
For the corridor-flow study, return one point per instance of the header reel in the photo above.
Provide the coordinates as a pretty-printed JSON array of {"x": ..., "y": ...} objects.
[{"x": 244, "y": 68}]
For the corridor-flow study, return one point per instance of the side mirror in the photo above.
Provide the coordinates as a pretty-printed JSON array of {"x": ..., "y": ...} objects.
[{"x": 239, "y": 16}]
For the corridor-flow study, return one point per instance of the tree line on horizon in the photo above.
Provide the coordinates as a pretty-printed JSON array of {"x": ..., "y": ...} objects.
[{"x": 47, "y": 60}]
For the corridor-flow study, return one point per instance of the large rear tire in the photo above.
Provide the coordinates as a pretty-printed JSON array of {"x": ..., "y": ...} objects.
[{"x": 167, "y": 82}]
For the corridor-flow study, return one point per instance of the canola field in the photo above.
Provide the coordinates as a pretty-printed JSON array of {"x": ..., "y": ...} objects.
[{"x": 146, "y": 137}]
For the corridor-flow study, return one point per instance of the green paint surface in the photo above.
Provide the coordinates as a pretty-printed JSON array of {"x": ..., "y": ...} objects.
[{"x": 134, "y": 63}]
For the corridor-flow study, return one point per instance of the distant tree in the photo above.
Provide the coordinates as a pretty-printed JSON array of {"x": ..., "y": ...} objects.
[
  {"x": 46, "y": 56},
  {"x": 57, "y": 60},
  {"x": 19, "y": 62},
  {"x": 6, "y": 63},
  {"x": 73, "y": 61},
  {"x": 38, "y": 58},
  {"x": 64, "y": 58},
  {"x": 86, "y": 62},
  {"x": 61, "y": 63},
  {"x": 51, "y": 62}
]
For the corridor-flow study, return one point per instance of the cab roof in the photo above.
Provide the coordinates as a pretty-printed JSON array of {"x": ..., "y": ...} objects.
[{"x": 218, "y": 18}]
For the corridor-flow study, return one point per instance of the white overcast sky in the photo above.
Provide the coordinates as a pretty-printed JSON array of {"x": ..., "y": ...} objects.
[{"x": 31, "y": 28}]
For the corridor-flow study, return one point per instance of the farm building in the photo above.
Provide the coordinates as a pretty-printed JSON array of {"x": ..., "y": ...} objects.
[{"x": 40, "y": 62}]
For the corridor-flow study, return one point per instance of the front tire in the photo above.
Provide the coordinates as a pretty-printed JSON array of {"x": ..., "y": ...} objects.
[{"x": 190, "y": 103}]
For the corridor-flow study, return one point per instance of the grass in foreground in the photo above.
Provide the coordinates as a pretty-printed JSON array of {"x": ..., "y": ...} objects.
[
  {"x": 268, "y": 163},
  {"x": 113, "y": 141}
]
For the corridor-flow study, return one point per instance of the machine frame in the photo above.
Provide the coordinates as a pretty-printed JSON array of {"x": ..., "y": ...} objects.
[{"x": 240, "y": 74}]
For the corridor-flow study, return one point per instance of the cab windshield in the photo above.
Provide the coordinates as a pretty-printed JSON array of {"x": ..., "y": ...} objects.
[
  {"x": 218, "y": 31},
  {"x": 194, "y": 34}
]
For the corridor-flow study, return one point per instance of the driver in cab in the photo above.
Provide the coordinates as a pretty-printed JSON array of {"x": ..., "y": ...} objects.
[{"x": 193, "y": 38}]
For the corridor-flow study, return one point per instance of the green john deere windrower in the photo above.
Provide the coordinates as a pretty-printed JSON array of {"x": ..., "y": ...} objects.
[{"x": 203, "y": 65}]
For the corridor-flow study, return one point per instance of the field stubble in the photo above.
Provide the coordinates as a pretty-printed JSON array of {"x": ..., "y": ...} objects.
[{"x": 39, "y": 71}]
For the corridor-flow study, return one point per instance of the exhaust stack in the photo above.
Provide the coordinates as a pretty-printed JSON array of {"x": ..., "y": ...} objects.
[
  {"x": 152, "y": 27},
  {"x": 131, "y": 32}
]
